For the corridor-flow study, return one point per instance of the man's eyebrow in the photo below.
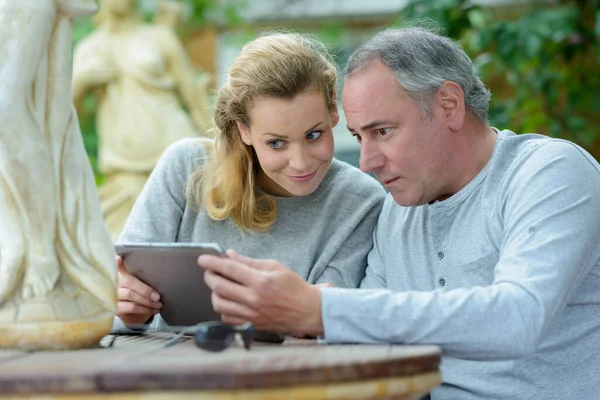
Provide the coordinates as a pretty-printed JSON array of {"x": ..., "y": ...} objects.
[
  {"x": 371, "y": 125},
  {"x": 285, "y": 137}
]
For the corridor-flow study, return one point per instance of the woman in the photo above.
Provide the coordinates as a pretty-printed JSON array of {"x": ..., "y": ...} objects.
[
  {"x": 138, "y": 72},
  {"x": 269, "y": 186}
]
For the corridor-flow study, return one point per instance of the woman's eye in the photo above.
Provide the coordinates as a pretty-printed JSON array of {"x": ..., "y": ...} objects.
[
  {"x": 314, "y": 135},
  {"x": 382, "y": 131},
  {"x": 275, "y": 144}
]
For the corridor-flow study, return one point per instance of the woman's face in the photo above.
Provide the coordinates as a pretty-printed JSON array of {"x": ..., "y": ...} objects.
[
  {"x": 293, "y": 141},
  {"x": 119, "y": 7}
]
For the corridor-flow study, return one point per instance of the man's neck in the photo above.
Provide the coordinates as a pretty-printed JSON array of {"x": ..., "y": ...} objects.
[{"x": 474, "y": 148}]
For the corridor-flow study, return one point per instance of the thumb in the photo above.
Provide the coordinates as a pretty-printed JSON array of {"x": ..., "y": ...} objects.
[
  {"x": 121, "y": 266},
  {"x": 254, "y": 263}
]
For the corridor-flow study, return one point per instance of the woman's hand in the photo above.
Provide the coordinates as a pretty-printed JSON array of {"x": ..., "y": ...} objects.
[{"x": 137, "y": 302}]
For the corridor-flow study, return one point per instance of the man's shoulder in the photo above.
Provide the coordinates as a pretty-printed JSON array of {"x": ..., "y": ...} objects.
[
  {"x": 538, "y": 164},
  {"x": 531, "y": 152}
]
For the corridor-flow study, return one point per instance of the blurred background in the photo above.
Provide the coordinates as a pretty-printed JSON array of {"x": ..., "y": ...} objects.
[{"x": 541, "y": 59}]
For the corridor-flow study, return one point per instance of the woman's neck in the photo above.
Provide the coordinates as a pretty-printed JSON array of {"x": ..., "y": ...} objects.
[{"x": 269, "y": 186}]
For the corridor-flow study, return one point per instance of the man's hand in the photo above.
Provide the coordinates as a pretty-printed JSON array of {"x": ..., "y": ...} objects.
[
  {"x": 137, "y": 302},
  {"x": 264, "y": 292}
]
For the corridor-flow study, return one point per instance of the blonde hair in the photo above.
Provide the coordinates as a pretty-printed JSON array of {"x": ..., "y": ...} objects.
[{"x": 280, "y": 65}]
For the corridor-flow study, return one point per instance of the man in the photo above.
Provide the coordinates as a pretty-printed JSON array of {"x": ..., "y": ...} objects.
[{"x": 487, "y": 245}]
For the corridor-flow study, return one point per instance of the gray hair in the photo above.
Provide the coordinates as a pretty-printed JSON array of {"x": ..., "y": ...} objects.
[{"x": 422, "y": 60}]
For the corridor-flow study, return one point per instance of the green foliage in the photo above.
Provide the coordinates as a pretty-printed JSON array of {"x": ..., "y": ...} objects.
[
  {"x": 215, "y": 10},
  {"x": 81, "y": 28},
  {"x": 541, "y": 61},
  {"x": 201, "y": 12}
]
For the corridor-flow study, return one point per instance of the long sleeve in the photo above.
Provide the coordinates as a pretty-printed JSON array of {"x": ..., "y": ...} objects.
[
  {"x": 550, "y": 211},
  {"x": 347, "y": 267},
  {"x": 375, "y": 274},
  {"x": 157, "y": 213}
]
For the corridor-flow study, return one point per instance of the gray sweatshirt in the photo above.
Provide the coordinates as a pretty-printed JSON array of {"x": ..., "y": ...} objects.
[
  {"x": 504, "y": 275},
  {"x": 324, "y": 236}
]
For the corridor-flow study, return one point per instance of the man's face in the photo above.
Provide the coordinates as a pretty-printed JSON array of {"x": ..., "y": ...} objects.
[
  {"x": 407, "y": 153},
  {"x": 293, "y": 141}
]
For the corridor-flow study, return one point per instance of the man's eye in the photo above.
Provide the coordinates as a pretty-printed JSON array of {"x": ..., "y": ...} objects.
[
  {"x": 275, "y": 144},
  {"x": 314, "y": 135},
  {"x": 382, "y": 131},
  {"x": 357, "y": 136}
]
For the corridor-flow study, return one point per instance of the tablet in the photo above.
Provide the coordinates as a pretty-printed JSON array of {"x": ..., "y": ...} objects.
[{"x": 172, "y": 270}]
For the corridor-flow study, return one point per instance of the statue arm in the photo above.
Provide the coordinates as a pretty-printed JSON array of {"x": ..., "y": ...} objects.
[
  {"x": 92, "y": 69},
  {"x": 193, "y": 90}
]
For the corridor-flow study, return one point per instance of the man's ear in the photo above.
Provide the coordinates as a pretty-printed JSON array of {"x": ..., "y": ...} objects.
[
  {"x": 451, "y": 104},
  {"x": 244, "y": 133}
]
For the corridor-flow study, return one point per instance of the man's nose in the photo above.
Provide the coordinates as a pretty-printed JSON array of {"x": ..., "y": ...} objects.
[{"x": 370, "y": 158}]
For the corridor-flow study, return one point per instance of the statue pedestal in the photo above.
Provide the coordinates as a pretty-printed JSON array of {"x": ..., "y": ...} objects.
[
  {"x": 67, "y": 318},
  {"x": 57, "y": 263}
]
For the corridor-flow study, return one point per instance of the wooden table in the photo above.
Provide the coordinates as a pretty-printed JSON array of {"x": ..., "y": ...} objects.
[{"x": 140, "y": 367}]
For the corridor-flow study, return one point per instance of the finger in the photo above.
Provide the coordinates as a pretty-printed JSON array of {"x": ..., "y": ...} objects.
[
  {"x": 125, "y": 294},
  {"x": 232, "y": 309},
  {"x": 229, "y": 320},
  {"x": 231, "y": 269},
  {"x": 133, "y": 283},
  {"x": 261, "y": 265},
  {"x": 121, "y": 265},
  {"x": 229, "y": 290},
  {"x": 125, "y": 308}
]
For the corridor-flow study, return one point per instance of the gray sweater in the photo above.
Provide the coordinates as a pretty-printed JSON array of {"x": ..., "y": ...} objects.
[
  {"x": 504, "y": 275},
  {"x": 324, "y": 236}
]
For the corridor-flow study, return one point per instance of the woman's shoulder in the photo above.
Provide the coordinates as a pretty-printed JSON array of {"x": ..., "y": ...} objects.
[
  {"x": 348, "y": 180},
  {"x": 188, "y": 152}
]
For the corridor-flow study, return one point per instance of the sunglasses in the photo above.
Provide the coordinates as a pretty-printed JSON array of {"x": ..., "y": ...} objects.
[{"x": 211, "y": 335}]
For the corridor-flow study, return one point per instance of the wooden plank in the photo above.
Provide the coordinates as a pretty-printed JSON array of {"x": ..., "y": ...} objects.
[
  {"x": 143, "y": 363},
  {"x": 7, "y": 355},
  {"x": 185, "y": 367},
  {"x": 71, "y": 371},
  {"x": 402, "y": 388}
]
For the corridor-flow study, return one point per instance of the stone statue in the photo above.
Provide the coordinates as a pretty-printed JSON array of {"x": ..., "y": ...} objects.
[
  {"x": 138, "y": 73},
  {"x": 57, "y": 263},
  {"x": 169, "y": 13}
]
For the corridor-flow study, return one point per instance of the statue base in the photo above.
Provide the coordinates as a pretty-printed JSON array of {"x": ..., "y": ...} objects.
[
  {"x": 67, "y": 318},
  {"x": 55, "y": 335}
]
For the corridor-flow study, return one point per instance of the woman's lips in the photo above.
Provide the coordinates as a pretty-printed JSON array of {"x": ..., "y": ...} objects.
[{"x": 302, "y": 178}]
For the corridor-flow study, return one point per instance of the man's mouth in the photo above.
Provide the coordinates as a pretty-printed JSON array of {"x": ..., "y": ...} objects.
[{"x": 388, "y": 181}]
